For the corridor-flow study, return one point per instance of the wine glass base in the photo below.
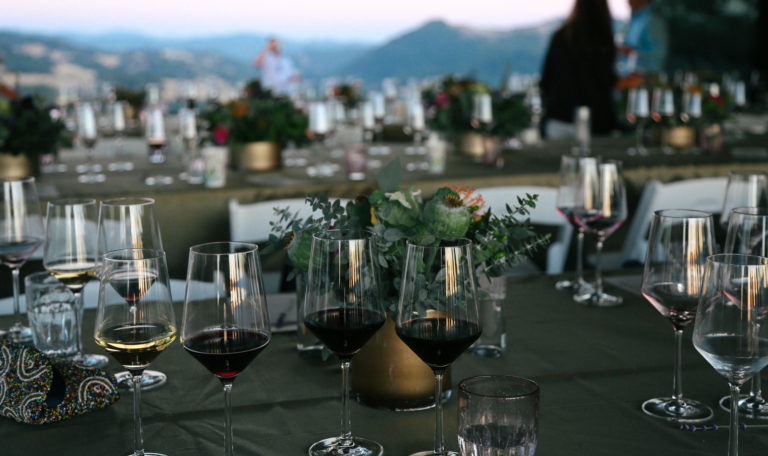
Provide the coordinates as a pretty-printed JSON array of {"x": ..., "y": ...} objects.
[
  {"x": 749, "y": 407},
  {"x": 666, "y": 409},
  {"x": 150, "y": 379},
  {"x": 148, "y": 454},
  {"x": 91, "y": 178},
  {"x": 20, "y": 334},
  {"x": 92, "y": 361},
  {"x": 576, "y": 286},
  {"x": 354, "y": 446},
  {"x": 432, "y": 453},
  {"x": 598, "y": 299}
]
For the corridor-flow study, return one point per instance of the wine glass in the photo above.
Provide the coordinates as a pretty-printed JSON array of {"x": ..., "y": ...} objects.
[
  {"x": 601, "y": 207},
  {"x": 118, "y": 123},
  {"x": 131, "y": 223},
  {"x": 744, "y": 189},
  {"x": 21, "y": 233},
  {"x": 134, "y": 319},
  {"x": 225, "y": 324},
  {"x": 88, "y": 134},
  {"x": 638, "y": 112},
  {"x": 748, "y": 234},
  {"x": 342, "y": 308},
  {"x": 157, "y": 143},
  {"x": 437, "y": 316},
  {"x": 731, "y": 329},
  {"x": 71, "y": 255},
  {"x": 679, "y": 243},
  {"x": 565, "y": 204}
]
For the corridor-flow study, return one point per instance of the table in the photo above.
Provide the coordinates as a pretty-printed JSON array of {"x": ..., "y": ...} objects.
[{"x": 594, "y": 366}]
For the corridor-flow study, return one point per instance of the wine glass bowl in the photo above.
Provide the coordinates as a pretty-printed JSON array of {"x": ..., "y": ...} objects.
[
  {"x": 679, "y": 243},
  {"x": 744, "y": 189},
  {"x": 342, "y": 308},
  {"x": 437, "y": 314}
]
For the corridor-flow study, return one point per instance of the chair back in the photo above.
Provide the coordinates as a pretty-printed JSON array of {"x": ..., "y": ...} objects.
[{"x": 250, "y": 222}]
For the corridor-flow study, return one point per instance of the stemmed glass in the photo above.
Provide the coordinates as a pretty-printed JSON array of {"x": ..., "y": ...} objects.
[
  {"x": 679, "y": 243},
  {"x": 638, "y": 112},
  {"x": 131, "y": 223},
  {"x": 437, "y": 316},
  {"x": 225, "y": 323},
  {"x": 748, "y": 234},
  {"x": 71, "y": 255},
  {"x": 601, "y": 207},
  {"x": 744, "y": 189},
  {"x": 21, "y": 233},
  {"x": 342, "y": 308},
  {"x": 731, "y": 329},
  {"x": 134, "y": 319},
  {"x": 565, "y": 204},
  {"x": 88, "y": 134}
]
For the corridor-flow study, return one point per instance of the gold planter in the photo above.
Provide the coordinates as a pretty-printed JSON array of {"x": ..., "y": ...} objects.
[
  {"x": 17, "y": 166},
  {"x": 472, "y": 145},
  {"x": 681, "y": 137},
  {"x": 387, "y": 374},
  {"x": 260, "y": 156}
]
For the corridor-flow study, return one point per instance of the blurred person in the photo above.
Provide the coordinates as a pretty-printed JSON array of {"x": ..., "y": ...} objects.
[
  {"x": 579, "y": 70},
  {"x": 278, "y": 73},
  {"x": 645, "y": 44}
]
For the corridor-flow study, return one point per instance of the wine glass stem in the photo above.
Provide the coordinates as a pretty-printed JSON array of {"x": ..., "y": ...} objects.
[
  {"x": 138, "y": 441},
  {"x": 677, "y": 375},
  {"x": 16, "y": 304},
  {"x": 755, "y": 390},
  {"x": 579, "y": 256},
  {"x": 346, "y": 419},
  {"x": 229, "y": 444},
  {"x": 733, "y": 434},
  {"x": 439, "y": 436},
  {"x": 639, "y": 131},
  {"x": 598, "y": 265},
  {"x": 79, "y": 323}
]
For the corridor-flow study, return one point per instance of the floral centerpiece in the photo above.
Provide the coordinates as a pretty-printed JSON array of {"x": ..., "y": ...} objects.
[{"x": 27, "y": 129}]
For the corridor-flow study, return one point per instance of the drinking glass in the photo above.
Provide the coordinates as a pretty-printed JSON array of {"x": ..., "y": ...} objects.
[
  {"x": 744, "y": 189},
  {"x": 565, "y": 204},
  {"x": 731, "y": 329},
  {"x": 134, "y": 319},
  {"x": 437, "y": 315},
  {"x": 71, "y": 255},
  {"x": 52, "y": 315},
  {"x": 601, "y": 207},
  {"x": 21, "y": 233},
  {"x": 498, "y": 415},
  {"x": 225, "y": 324},
  {"x": 131, "y": 223},
  {"x": 678, "y": 245},
  {"x": 88, "y": 134},
  {"x": 748, "y": 234},
  {"x": 342, "y": 308}
]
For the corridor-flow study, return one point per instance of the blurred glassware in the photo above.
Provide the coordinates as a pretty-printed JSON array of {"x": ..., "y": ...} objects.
[{"x": 87, "y": 133}]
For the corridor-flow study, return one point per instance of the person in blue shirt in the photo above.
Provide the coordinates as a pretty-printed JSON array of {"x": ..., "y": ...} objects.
[{"x": 645, "y": 44}]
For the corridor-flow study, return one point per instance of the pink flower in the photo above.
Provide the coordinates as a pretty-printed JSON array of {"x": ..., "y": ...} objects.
[{"x": 220, "y": 134}]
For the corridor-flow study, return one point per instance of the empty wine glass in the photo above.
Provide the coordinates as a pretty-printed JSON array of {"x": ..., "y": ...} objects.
[
  {"x": 88, "y": 134},
  {"x": 342, "y": 308},
  {"x": 225, "y": 323},
  {"x": 21, "y": 233},
  {"x": 637, "y": 113},
  {"x": 131, "y": 223},
  {"x": 134, "y": 318},
  {"x": 71, "y": 255},
  {"x": 565, "y": 204},
  {"x": 117, "y": 120},
  {"x": 731, "y": 329},
  {"x": 437, "y": 315},
  {"x": 748, "y": 234},
  {"x": 678, "y": 245},
  {"x": 601, "y": 207},
  {"x": 744, "y": 189}
]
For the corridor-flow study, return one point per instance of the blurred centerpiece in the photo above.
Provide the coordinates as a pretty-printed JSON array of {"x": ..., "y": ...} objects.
[
  {"x": 27, "y": 133},
  {"x": 386, "y": 372}
]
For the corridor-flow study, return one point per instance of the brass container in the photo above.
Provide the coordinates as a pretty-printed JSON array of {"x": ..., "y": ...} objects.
[
  {"x": 681, "y": 137},
  {"x": 260, "y": 156},
  {"x": 387, "y": 374},
  {"x": 472, "y": 145},
  {"x": 17, "y": 166}
]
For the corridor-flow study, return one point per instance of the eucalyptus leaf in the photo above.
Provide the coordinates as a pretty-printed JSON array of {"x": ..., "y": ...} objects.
[
  {"x": 390, "y": 176},
  {"x": 393, "y": 234}
]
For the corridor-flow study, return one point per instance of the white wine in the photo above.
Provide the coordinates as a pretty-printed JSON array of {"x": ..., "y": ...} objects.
[
  {"x": 73, "y": 274},
  {"x": 135, "y": 346}
]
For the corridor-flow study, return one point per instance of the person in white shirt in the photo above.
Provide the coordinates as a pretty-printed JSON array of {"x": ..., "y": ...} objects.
[{"x": 277, "y": 71}]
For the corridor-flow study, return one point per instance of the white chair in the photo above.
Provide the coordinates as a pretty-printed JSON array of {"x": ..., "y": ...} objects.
[
  {"x": 496, "y": 199},
  {"x": 704, "y": 194},
  {"x": 250, "y": 222}
]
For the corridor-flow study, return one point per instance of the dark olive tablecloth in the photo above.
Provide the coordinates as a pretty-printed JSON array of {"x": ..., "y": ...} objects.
[{"x": 595, "y": 368}]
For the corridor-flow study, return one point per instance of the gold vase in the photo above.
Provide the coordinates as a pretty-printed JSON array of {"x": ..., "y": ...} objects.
[
  {"x": 260, "y": 156},
  {"x": 17, "y": 166},
  {"x": 387, "y": 374},
  {"x": 472, "y": 145},
  {"x": 681, "y": 137}
]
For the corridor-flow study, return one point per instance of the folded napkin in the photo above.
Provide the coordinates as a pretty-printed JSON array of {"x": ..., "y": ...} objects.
[{"x": 36, "y": 390}]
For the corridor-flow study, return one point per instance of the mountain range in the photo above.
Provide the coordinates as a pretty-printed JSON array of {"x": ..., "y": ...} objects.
[{"x": 433, "y": 49}]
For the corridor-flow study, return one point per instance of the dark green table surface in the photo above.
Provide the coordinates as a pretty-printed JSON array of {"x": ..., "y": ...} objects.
[{"x": 595, "y": 368}]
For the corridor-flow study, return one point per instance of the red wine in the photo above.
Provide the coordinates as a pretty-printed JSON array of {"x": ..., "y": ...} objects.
[
  {"x": 594, "y": 222},
  {"x": 568, "y": 214},
  {"x": 437, "y": 341},
  {"x": 344, "y": 330},
  {"x": 671, "y": 300},
  {"x": 226, "y": 352},
  {"x": 132, "y": 285},
  {"x": 15, "y": 253}
]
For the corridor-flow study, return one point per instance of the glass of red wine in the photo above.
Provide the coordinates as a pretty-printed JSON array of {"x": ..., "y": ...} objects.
[
  {"x": 21, "y": 233},
  {"x": 342, "y": 307},
  {"x": 131, "y": 223},
  {"x": 601, "y": 207},
  {"x": 135, "y": 320},
  {"x": 437, "y": 314},
  {"x": 679, "y": 243},
  {"x": 225, "y": 323}
]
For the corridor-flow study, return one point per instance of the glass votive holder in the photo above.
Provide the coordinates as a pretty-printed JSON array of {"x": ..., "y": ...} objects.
[
  {"x": 492, "y": 292},
  {"x": 51, "y": 312},
  {"x": 356, "y": 162},
  {"x": 498, "y": 414}
]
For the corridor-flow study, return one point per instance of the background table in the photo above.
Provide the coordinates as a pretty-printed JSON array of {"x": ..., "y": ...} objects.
[{"x": 595, "y": 368}]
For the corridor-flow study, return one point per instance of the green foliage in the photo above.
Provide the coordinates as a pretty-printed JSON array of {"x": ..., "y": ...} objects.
[{"x": 27, "y": 128}]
